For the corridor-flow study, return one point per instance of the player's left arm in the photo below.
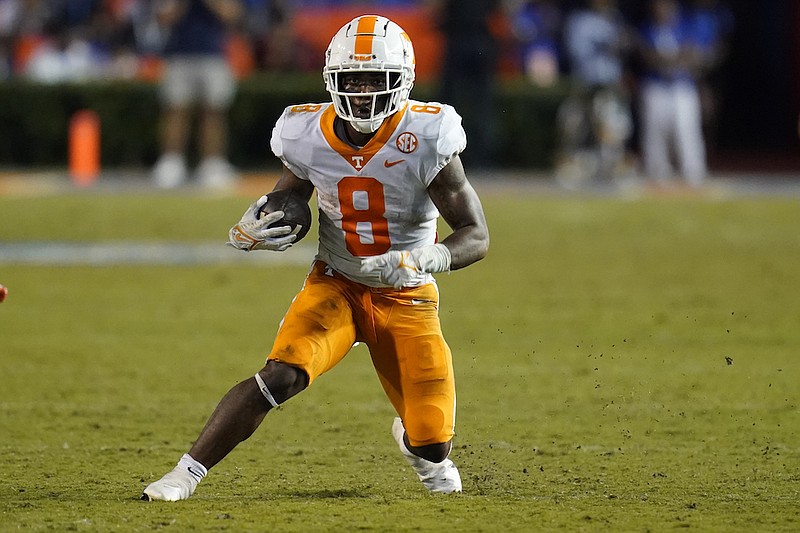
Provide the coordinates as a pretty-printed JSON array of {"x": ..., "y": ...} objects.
[{"x": 460, "y": 206}]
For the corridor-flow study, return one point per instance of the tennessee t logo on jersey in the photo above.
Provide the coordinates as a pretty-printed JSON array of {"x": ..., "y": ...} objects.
[{"x": 358, "y": 161}]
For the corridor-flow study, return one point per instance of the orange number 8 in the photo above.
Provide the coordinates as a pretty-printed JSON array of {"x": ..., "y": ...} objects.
[
  {"x": 432, "y": 109},
  {"x": 372, "y": 216},
  {"x": 306, "y": 108}
]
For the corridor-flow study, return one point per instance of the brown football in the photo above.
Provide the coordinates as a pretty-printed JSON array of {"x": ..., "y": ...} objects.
[{"x": 296, "y": 212}]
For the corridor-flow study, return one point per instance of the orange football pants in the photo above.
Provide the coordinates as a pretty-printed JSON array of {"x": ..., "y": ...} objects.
[{"x": 402, "y": 331}]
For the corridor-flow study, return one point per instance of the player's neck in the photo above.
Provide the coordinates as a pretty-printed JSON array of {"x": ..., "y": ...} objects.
[{"x": 347, "y": 133}]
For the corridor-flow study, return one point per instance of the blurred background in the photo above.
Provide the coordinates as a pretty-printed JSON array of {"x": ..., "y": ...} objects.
[{"x": 511, "y": 68}]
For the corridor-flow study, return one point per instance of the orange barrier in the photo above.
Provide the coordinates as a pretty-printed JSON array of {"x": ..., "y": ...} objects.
[
  {"x": 239, "y": 53},
  {"x": 84, "y": 147}
]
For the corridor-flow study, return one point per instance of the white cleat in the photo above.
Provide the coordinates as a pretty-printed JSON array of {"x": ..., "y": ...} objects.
[
  {"x": 436, "y": 477},
  {"x": 176, "y": 485}
]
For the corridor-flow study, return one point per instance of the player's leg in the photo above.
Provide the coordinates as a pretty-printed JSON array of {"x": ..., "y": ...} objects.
[
  {"x": 435, "y": 453},
  {"x": 415, "y": 367},
  {"x": 437, "y": 476},
  {"x": 243, "y": 409},
  {"x": 315, "y": 334},
  {"x": 236, "y": 417}
]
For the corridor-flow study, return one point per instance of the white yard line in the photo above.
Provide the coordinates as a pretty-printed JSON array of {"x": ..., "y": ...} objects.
[{"x": 62, "y": 253}]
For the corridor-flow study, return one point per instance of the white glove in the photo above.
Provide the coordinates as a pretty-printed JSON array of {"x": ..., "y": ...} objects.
[
  {"x": 252, "y": 233},
  {"x": 402, "y": 268}
]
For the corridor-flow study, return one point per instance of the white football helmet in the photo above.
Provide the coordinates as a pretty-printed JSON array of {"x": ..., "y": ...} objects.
[{"x": 374, "y": 44}]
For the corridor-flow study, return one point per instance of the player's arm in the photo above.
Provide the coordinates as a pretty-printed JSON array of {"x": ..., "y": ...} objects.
[
  {"x": 301, "y": 187},
  {"x": 254, "y": 233},
  {"x": 460, "y": 207}
]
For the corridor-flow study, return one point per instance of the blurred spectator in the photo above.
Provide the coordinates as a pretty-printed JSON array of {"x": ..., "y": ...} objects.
[
  {"x": 22, "y": 24},
  {"x": 670, "y": 103},
  {"x": 268, "y": 25},
  {"x": 711, "y": 23},
  {"x": 112, "y": 31},
  {"x": 68, "y": 51},
  {"x": 54, "y": 41},
  {"x": 196, "y": 73},
  {"x": 537, "y": 26},
  {"x": 9, "y": 21},
  {"x": 467, "y": 78},
  {"x": 595, "y": 121}
]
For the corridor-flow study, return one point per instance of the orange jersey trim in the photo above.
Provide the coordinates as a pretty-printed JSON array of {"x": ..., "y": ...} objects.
[{"x": 358, "y": 158}]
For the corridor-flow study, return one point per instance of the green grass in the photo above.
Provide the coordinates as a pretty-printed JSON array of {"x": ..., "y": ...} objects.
[{"x": 622, "y": 366}]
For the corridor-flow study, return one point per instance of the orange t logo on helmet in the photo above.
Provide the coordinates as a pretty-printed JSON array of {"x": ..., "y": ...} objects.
[{"x": 365, "y": 32}]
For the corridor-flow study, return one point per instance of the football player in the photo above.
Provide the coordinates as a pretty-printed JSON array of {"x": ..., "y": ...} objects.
[{"x": 384, "y": 168}]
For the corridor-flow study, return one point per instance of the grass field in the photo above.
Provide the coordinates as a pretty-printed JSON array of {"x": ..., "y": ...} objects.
[{"x": 622, "y": 366}]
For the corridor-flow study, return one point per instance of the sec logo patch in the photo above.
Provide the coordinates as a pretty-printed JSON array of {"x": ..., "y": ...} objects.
[{"x": 406, "y": 142}]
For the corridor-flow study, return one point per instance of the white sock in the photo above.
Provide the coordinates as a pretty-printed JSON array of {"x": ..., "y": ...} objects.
[{"x": 197, "y": 470}]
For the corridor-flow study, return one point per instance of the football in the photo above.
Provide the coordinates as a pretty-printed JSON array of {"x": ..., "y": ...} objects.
[{"x": 297, "y": 213}]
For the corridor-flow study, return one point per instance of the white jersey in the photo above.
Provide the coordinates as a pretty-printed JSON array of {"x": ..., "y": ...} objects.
[{"x": 373, "y": 199}]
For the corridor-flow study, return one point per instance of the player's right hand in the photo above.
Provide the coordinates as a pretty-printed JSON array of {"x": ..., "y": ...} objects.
[
  {"x": 396, "y": 268},
  {"x": 252, "y": 233}
]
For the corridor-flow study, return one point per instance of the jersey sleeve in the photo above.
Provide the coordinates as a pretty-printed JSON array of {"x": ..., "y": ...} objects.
[
  {"x": 280, "y": 148},
  {"x": 451, "y": 141}
]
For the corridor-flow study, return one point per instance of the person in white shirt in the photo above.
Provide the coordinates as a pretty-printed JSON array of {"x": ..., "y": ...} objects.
[
  {"x": 671, "y": 115},
  {"x": 595, "y": 121}
]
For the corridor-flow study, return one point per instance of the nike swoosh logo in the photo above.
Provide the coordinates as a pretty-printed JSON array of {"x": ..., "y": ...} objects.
[
  {"x": 389, "y": 164},
  {"x": 198, "y": 475}
]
